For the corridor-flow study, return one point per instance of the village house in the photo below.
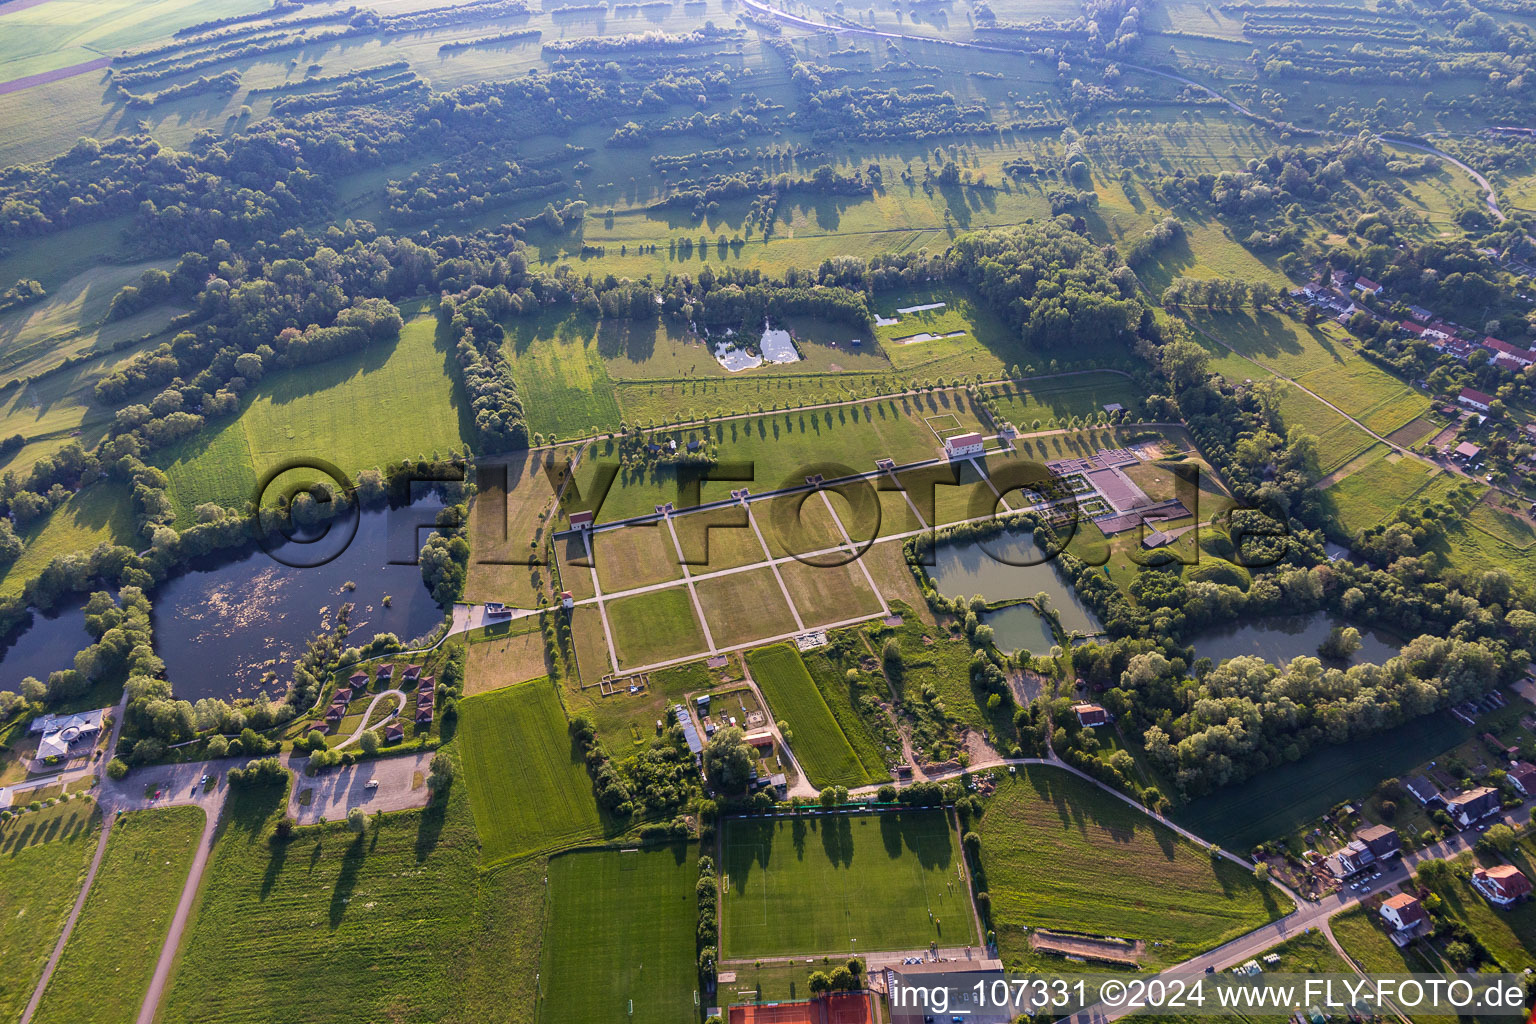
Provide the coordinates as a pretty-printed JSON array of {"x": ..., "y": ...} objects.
[
  {"x": 1420, "y": 314},
  {"x": 1473, "y": 399},
  {"x": 1522, "y": 775},
  {"x": 1091, "y": 716},
  {"x": 1382, "y": 840},
  {"x": 1466, "y": 451},
  {"x": 1417, "y": 330},
  {"x": 1509, "y": 353},
  {"x": 1502, "y": 885},
  {"x": 1365, "y": 286},
  {"x": 1406, "y": 916},
  {"x": 1473, "y": 805},
  {"x": 1424, "y": 791}
]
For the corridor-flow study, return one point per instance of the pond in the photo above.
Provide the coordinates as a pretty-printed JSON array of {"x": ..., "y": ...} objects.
[
  {"x": 1282, "y": 799},
  {"x": 1018, "y": 627},
  {"x": 223, "y": 624},
  {"x": 1282, "y": 638},
  {"x": 43, "y": 645},
  {"x": 990, "y": 568}
]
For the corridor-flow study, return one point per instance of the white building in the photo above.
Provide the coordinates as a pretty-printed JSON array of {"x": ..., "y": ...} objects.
[{"x": 962, "y": 445}]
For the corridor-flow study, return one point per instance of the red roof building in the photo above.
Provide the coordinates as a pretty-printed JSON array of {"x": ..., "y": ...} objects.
[
  {"x": 1404, "y": 912},
  {"x": 1522, "y": 776},
  {"x": 1091, "y": 715},
  {"x": 1502, "y": 884},
  {"x": 1417, "y": 330},
  {"x": 1475, "y": 399}
]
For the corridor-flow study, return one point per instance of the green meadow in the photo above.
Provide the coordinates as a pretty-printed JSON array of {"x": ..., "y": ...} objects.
[
  {"x": 528, "y": 786},
  {"x": 356, "y": 412}
]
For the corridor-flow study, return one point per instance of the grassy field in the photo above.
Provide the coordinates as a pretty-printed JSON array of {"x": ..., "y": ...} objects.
[
  {"x": 527, "y": 785},
  {"x": 619, "y": 937},
  {"x": 560, "y": 374},
  {"x": 101, "y": 513},
  {"x": 507, "y": 529},
  {"x": 397, "y": 924},
  {"x": 745, "y": 606},
  {"x": 43, "y": 857},
  {"x": 1376, "y": 489},
  {"x": 819, "y": 743},
  {"x": 635, "y": 556},
  {"x": 505, "y": 654},
  {"x": 111, "y": 953},
  {"x": 655, "y": 627},
  {"x": 785, "y": 447},
  {"x": 843, "y": 883},
  {"x": 357, "y": 412},
  {"x": 829, "y": 593},
  {"x": 1052, "y": 401},
  {"x": 1060, "y": 853}
]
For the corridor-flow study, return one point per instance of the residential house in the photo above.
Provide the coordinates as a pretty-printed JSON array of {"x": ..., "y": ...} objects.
[
  {"x": 1382, "y": 840},
  {"x": 1365, "y": 286},
  {"x": 1417, "y": 330},
  {"x": 386, "y": 671},
  {"x": 1420, "y": 314},
  {"x": 1519, "y": 356},
  {"x": 1473, "y": 805},
  {"x": 1351, "y": 860},
  {"x": 1502, "y": 885},
  {"x": 1466, "y": 451},
  {"x": 1091, "y": 715},
  {"x": 393, "y": 733},
  {"x": 1424, "y": 791},
  {"x": 1522, "y": 775},
  {"x": 1407, "y": 917},
  {"x": 1473, "y": 399},
  {"x": 411, "y": 674}
]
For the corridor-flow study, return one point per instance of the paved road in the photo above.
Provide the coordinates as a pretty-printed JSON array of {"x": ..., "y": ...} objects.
[{"x": 368, "y": 715}]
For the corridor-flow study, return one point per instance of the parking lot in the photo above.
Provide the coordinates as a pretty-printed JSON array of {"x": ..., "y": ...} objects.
[{"x": 402, "y": 783}]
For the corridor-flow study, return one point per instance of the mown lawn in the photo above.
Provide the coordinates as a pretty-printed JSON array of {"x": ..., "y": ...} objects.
[
  {"x": 745, "y": 606},
  {"x": 1058, "y": 852},
  {"x": 397, "y": 924},
  {"x": 819, "y": 743},
  {"x": 654, "y": 627},
  {"x": 43, "y": 858},
  {"x": 528, "y": 786},
  {"x": 1367, "y": 496},
  {"x": 842, "y": 884},
  {"x": 783, "y": 448},
  {"x": 619, "y": 941},
  {"x": 356, "y": 412},
  {"x": 1053, "y": 400},
  {"x": 112, "y": 951}
]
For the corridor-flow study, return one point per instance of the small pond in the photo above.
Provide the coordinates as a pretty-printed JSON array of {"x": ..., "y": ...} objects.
[
  {"x": 222, "y": 624},
  {"x": 992, "y": 568},
  {"x": 44, "y": 644},
  {"x": 1018, "y": 627},
  {"x": 1282, "y": 638}
]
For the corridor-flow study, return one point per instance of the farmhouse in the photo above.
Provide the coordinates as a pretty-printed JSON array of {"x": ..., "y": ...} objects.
[
  {"x": 962, "y": 445},
  {"x": 1473, "y": 805},
  {"x": 1475, "y": 399},
  {"x": 1522, "y": 775},
  {"x": 1406, "y": 916},
  {"x": 1091, "y": 715},
  {"x": 1502, "y": 885}
]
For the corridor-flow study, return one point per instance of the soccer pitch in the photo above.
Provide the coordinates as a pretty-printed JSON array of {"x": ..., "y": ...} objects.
[
  {"x": 843, "y": 883},
  {"x": 619, "y": 937}
]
